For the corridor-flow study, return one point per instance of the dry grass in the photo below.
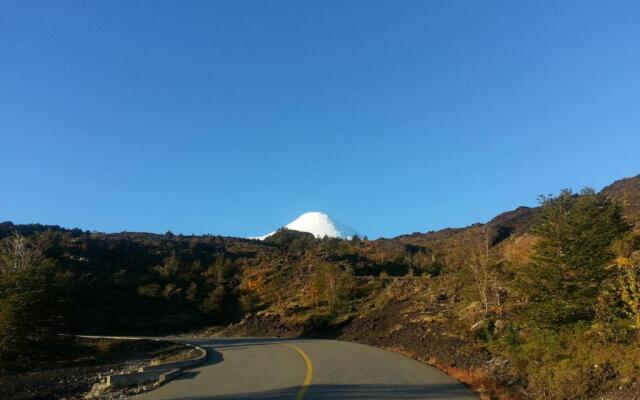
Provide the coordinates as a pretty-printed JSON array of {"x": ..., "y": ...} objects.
[
  {"x": 187, "y": 353},
  {"x": 479, "y": 381}
]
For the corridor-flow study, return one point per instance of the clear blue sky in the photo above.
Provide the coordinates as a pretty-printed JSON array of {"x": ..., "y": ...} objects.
[{"x": 235, "y": 117}]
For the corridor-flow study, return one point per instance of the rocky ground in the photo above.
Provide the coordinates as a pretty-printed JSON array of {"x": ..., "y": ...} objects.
[
  {"x": 428, "y": 337},
  {"x": 73, "y": 378}
]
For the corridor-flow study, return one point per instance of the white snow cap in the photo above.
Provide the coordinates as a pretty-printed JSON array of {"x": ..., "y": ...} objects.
[{"x": 320, "y": 225}]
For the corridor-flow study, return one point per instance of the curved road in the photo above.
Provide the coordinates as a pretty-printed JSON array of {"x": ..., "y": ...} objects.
[{"x": 287, "y": 369}]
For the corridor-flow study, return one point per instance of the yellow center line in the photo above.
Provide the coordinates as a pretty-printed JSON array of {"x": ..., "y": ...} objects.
[{"x": 307, "y": 378}]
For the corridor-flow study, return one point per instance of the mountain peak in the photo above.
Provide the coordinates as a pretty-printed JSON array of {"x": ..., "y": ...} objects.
[{"x": 320, "y": 225}]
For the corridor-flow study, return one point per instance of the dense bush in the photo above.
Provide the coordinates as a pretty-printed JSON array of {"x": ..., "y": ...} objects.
[{"x": 35, "y": 301}]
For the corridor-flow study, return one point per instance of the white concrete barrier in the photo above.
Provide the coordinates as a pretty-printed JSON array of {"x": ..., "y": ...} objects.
[
  {"x": 182, "y": 364},
  {"x": 158, "y": 374},
  {"x": 139, "y": 378}
]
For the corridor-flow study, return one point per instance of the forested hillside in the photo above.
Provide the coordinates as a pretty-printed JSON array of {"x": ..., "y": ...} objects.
[{"x": 538, "y": 302}]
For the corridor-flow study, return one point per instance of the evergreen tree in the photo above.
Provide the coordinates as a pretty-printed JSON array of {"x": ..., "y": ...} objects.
[
  {"x": 34, "y": 300},
  {"x": 569, "y": 264}
]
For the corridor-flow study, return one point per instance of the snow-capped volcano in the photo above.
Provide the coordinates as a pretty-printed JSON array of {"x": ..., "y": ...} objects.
[{"x": 320, "y": 225}]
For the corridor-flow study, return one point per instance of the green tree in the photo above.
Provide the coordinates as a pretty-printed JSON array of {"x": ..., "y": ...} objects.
[
  {"x": 35, "y": 304},
  {"x": 151, "y": 290},
  {"x": 169, "y": 268},
  {"x": 222, "y": 300},
  {"x": 627, "y": 251},
  {"x": 335, "y": 287},
  {"x": 569, "y": 264}
]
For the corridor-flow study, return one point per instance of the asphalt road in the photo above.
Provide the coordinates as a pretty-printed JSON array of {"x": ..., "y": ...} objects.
[{"x": 307, "y": 369}]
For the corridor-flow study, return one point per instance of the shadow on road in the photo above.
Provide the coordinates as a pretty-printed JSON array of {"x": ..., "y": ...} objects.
[
  {"x": 224, "y": 343},
  {"x": 229, "y": 342},
  {"x": 353, "y": 392},
  {"x": 213, "y": 357}
]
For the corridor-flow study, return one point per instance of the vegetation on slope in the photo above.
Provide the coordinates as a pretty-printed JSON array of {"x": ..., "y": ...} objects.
[{"x": 553, "y": 292}]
